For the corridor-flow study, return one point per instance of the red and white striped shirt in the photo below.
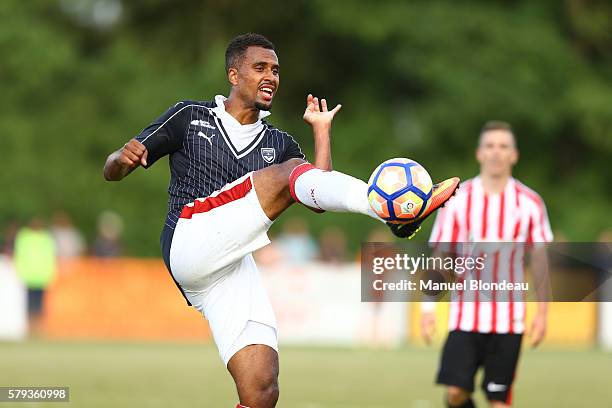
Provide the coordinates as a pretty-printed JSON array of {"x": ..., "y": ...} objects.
[{"x": 517, "y": 214}]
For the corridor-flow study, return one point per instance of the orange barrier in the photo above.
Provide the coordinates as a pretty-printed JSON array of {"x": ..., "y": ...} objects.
[
  {"x": 119, "y": 299},
  {"x": 569, "y": 323}
]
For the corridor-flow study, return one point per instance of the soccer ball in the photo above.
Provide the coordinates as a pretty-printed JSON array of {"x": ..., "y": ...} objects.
[{"x": 399, "y": 190}]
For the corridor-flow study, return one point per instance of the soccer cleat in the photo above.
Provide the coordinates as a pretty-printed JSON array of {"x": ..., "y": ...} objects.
[{"x": 440, "y": 194}]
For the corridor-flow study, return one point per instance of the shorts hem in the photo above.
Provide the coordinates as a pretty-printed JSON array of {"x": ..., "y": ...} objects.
[
  {"x": 258, "y": 333},
  {"x": 267, "y": 221},
  {"x": 444, "y": 380}
]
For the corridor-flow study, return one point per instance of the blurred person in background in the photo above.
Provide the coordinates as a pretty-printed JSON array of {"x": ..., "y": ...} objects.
[
  {"x": 13, "y": 294},
  {"x": 296, "y": 243},
  {"x": 68, "y": 239},
  {"x": 375, "y": 333},
  {"x": 332, "y": 245},
  {"x": 7, "y": 246},
  {"x": 271, "y": 255},
  {"x": 36, "y": 264},
  {"x": 108, "y": 240},
  {"x": 492, "y": 207}
]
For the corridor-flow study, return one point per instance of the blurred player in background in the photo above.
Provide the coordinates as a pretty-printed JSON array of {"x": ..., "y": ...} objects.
[
  {"x": 232, "y": 174},
  {"x": 492, "y": 207},
  {"x": 35, "y": 260}
]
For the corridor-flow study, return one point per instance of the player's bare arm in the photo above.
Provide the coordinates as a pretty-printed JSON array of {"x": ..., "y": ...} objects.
[
  {"x": 539, "y": 266},
  {"x": 121, "y": 162},
  {"x": 320, "y": 118},
  {"x": 428, "y": 325}
]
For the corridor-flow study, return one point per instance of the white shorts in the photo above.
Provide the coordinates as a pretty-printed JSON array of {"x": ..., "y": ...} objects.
[{"x": 211, "y": 259}]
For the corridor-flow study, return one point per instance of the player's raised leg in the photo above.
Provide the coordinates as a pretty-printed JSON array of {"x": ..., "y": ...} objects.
[
  {"x": 295, "y": 180},
  {"x": 276, "y": 185},
  {"x": 320, "y": 189}
]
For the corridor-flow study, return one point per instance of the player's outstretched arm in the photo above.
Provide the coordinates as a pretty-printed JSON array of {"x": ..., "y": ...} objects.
[
  {"x": 320, "y": 119},
  {"x": 121, "y": 163}
]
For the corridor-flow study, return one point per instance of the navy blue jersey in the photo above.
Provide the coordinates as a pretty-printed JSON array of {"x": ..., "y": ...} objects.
[{"x": 202, "y": 156}]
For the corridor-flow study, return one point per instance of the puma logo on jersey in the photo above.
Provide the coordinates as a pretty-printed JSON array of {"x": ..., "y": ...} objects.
[
  {"x": 202, "y": 123},
  {"x": 208, "y": 138}
]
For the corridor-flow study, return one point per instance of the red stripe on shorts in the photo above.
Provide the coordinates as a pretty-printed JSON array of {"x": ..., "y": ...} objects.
[{"x": 224, "y": 197}]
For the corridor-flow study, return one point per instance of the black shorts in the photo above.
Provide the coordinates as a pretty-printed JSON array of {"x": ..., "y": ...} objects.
[
  {"x": 35, "y": 302},
  {"x": 465, "y": 352}
]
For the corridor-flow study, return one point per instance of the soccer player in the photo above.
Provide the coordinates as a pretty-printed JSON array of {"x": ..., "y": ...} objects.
[
  {"x": 492, "y": 207},
  {"x": 232, "y": 174}
]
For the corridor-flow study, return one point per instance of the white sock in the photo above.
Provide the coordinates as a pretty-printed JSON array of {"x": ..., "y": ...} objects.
[{"x": 329, "y": 191}]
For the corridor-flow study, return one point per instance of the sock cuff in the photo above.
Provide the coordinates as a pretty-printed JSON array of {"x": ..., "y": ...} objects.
[
  {"x": 241, "y": 406},
  {"x": 295, "y": 173}
]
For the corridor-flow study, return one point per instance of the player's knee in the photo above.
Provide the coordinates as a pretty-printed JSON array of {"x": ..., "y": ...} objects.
[
  {"x": 277, "y": 177},
  {"x": 456, "y": 396},
  {"x": 267, "y": 389},
  {"x": 287, "y": 169},
  {"x": 270, "y": 394},
  {"x": 292, "y": 163}
]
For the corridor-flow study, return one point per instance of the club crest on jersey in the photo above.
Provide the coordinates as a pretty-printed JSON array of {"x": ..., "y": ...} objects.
[{"x": 268, "y": 154}]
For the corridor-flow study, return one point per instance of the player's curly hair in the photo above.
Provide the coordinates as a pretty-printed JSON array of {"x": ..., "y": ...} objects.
[{"x": 238, "y": 46}]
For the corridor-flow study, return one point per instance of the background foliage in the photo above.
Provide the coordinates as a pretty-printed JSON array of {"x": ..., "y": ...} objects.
[{"x": 417, "y": 79}]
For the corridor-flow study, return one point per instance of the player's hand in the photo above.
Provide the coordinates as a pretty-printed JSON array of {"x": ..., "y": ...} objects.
[
  {"x": 133, "y": 154},
  {"x": 538, "y": 329},
  {"x": 428, "y": 326},
  {"x": 316, "y": 113}
]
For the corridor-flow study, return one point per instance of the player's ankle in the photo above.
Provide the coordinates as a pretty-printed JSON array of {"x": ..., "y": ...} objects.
[{"x": 469, "y": 403}]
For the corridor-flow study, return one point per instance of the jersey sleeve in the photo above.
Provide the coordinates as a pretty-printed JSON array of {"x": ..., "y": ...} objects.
[
  {"x": 437, "y": 229},
  {"x": 292, "y": 149},
  {"x": 445, "y": 224},
  {"x": 164, "y": 135},
  {"x": 540, "y": 231}
]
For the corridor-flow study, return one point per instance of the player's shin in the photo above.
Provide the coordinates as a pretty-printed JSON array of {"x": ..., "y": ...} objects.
[{"x": 329, "y": 191}]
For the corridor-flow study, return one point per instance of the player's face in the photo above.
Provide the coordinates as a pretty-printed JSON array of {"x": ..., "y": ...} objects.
[
  {"x": 496, "y": 153},
  {"x": 258, "y": 77}
]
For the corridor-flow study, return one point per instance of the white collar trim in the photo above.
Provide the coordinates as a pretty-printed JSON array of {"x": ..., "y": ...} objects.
[{"x": 220, "y": 110}]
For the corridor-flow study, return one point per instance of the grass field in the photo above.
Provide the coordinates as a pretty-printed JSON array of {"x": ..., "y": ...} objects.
[{"x": 191, "y": 375}]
